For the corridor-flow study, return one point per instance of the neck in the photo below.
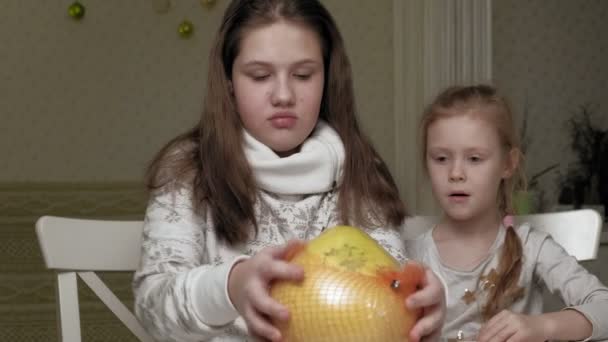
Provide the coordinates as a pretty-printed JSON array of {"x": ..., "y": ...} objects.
[
  {"x": 478, "y": 234},
  {"x": 314, "y": 167},
  {"x": 485, "y": 225},
  {"x": 284, "y": 154}
]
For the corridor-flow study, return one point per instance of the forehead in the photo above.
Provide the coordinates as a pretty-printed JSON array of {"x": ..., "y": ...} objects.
[
  {"x": 279, "y": 42},
  {"x": 462, "y": 131}
]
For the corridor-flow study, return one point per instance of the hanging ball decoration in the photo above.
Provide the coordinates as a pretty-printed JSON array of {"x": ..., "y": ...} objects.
[
  {"x": 185, "y": 29},
  {"x": 76, "y": 10},
  {"x": 207, "y": 3}
]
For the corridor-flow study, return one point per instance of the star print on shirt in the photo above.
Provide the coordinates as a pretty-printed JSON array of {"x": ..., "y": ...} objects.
[{"x": 468, "y": 297}]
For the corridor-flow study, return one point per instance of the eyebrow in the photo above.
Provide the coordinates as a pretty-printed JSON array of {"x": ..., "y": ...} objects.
[
  {"x": 267, "y": 64},
  {"x": 481, "y": 150},
  {"x": 441, "y": 149},
  {"x": 435, "y": 149}
]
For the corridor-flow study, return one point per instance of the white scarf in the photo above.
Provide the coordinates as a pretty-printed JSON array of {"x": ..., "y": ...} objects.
[{"x": 313, "y": 169}]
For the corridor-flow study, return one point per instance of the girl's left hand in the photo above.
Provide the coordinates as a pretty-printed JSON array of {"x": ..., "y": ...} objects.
[
  {"x": 510, "y": 326},
  {"x": 431, "y": 299}
]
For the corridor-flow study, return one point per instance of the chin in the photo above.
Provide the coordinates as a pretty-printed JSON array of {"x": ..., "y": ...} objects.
[
  {"x": 459, "y": 215},
  {"x": 285, "y": 151},
  {"x": 281, "y": 146}
]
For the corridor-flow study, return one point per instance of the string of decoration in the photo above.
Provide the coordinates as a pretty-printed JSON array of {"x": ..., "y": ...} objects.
[{"x": 185, "y": 28}]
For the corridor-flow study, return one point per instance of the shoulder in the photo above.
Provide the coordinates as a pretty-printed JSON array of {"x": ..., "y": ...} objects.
[
  {"x": 183, "y": 147},
  {"x": 417, "y": 226},
  {"x": 418, "y": 247},
  {"x": 529, "y": 235},
  {"x": 175, "y": 162},
  {"x": 537, "y": 244},
  {"x": 172, "y": 197},
  {"x": 390, "y": 239}
]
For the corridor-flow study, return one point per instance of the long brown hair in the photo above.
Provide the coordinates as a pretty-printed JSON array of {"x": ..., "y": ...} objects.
[
  {"x": 485, "y": 103},
  {"x": 210, "y": 156}
]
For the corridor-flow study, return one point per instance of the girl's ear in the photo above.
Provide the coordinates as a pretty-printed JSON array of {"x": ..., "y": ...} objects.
[{"x": 512, "y": 163}]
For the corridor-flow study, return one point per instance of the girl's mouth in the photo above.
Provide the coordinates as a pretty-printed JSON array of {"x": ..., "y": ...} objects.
[{"x": 458, "y": 196}]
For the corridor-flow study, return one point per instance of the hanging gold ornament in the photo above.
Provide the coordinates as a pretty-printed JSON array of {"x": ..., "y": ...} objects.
[
  {"x": 207, "y": 3},
  {"x": 185, "y": 29},
  {"x": 76, "y": 10}
]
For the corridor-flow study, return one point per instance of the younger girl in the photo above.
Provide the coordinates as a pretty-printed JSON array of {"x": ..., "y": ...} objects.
[
  {"x": 494, "y": 271},
  {"x": 277, "y": 156}
]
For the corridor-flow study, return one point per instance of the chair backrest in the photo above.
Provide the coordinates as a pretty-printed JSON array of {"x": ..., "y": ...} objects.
[
  {"x": 79, "y": 247},
  {"x": 578, "y": 231},
  {"x": 79, "y": 244}
]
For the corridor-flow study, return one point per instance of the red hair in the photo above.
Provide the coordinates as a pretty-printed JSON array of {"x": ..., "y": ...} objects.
[{"x": 467, "y": 100}]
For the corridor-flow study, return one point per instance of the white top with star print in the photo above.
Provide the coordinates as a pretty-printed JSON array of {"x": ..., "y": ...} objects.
[{"x": 546, "y": 263}]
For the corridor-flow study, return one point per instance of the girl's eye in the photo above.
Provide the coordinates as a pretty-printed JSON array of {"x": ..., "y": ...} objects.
[
  {"x": 302, "y": 76},
  {"x": 259, "y": 78},
  {"x": 440, "y": 159},
  {"x": 475, "y": 159}
]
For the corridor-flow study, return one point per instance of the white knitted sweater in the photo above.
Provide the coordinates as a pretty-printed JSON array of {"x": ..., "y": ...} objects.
[{"x": 181, "y": 286}]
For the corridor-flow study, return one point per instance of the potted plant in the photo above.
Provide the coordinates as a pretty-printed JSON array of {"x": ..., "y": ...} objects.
[
  {"x": 586, "y": 179},
  {"x": 530, "y": 200}
]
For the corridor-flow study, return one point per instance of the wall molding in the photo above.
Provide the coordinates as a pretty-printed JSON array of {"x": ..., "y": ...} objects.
[{"x": 24, "y": 202}]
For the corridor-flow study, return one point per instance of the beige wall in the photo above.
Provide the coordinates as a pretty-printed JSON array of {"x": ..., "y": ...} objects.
[
  {"x": 94, "y": 100},
  {"x": 554, "y": 55},
  {"x": 367, "y": 28}
]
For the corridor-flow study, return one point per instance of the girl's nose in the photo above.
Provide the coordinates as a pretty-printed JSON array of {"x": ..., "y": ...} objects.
[
  {"x": 283, "y": 94},
  {"x": 457, "y": 174}
]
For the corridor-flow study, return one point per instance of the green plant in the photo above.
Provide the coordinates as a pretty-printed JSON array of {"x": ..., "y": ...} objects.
[
  {"x": 584, "y": 178},
  {"x": 533, "y": 199},
  {"x": 525, "y": 142},
  {"x": 533, "y": 182}
]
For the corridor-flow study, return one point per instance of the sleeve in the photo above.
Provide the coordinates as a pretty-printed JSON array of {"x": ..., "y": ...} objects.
[
  {"x": 390, "y": 240},
  {"x": 179, "y": 294},
  {"x": 579, "y": 289}
]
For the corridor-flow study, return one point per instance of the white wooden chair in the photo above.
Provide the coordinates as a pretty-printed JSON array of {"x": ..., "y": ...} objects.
[
  {"x": 578, "y": 231},
  {"x": 81, "y": 247}
]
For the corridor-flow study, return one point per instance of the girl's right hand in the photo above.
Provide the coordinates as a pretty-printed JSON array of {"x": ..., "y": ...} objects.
[
  {"x": 431, "y": 299},
  {"x": 249, "y": 284}
]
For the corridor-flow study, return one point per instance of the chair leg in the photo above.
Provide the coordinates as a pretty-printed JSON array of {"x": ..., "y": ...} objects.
[
  {"x": 115, "y": 305},
  {"x": 68, "y": 316}
]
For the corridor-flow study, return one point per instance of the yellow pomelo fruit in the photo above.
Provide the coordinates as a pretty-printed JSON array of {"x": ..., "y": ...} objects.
[
  {"x": 353, "y": 290},
  {"x": 351, "y": 249}
]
